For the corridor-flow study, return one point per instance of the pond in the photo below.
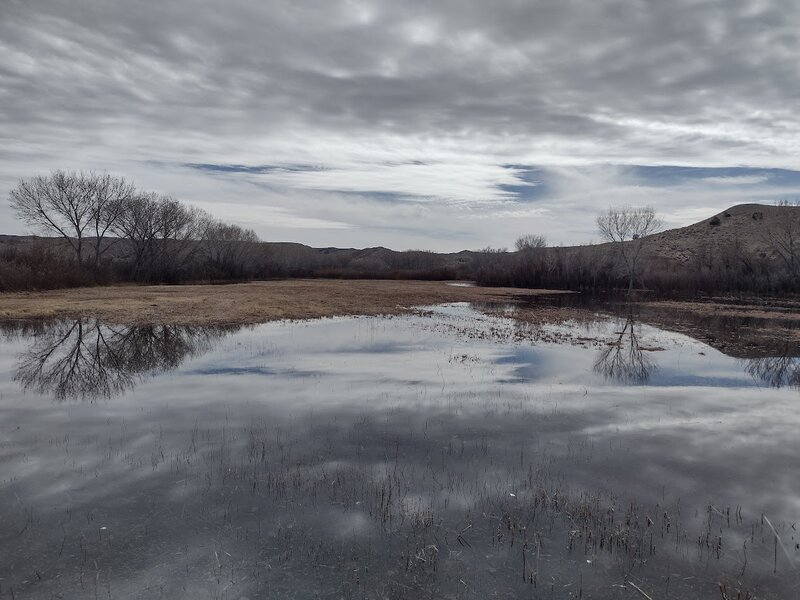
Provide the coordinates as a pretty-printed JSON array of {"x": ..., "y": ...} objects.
[{"x": 455, "y": 453}]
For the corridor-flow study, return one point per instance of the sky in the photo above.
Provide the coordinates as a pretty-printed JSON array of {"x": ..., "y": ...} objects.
[{"x": 448, "y": 125}]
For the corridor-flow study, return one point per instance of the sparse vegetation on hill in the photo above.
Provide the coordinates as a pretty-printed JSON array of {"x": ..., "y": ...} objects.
[{"x": 749, "y": 247}]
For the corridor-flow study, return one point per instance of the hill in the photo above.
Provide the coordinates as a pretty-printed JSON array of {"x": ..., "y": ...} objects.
[
  {"x": 747, "y": 229},
  {"x": 748, "y": 247}
]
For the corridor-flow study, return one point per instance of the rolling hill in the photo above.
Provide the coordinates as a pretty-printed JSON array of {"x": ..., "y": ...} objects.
[{"x": 749, "y": 228}]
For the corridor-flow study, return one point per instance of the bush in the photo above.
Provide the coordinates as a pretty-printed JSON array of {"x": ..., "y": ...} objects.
[{"x": 37, "y": 268}]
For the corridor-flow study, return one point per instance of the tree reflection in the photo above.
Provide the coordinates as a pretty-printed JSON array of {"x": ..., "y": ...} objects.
[
  {"x": 624, "y": 359},
  {"x": 778, "y": 371},
  {"x": 85, "y": 358}
]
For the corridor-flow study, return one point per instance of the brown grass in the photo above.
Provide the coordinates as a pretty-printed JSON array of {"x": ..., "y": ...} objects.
[{"x": 246, "y": 303}]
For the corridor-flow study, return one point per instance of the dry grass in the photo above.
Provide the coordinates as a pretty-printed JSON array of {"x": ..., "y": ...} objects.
[{"x": 246, "y": 302}]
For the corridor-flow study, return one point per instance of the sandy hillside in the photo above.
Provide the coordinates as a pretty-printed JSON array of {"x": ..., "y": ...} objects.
[{"x": 748, "y": 225}]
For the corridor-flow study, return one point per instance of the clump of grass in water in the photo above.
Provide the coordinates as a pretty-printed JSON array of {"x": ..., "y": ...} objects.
[
  {"x": 441, "y": 511},
  {"x": 730, "y": 591}
]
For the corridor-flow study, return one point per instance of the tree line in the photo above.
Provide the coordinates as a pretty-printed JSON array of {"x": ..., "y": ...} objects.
[
  {"x": 110, "y": 231},
  {"x": 534, "y": 264},
  {"x": 114, "y": 231},
  {"x": 100, "y": 229}
]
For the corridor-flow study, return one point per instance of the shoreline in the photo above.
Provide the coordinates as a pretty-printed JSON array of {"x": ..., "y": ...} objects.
[
  {"x": 249, "y": 303},
  {"x": 766, "y": 323}
]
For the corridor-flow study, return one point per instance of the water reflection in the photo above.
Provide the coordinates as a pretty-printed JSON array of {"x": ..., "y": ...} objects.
[
  {"x": 394, "y": 458},
  {"x": 776, "y": 371},
  {"x": 86, "y": 359},
  {"x": 768, "y": 348},
  {"x": 624, "y": 359}
]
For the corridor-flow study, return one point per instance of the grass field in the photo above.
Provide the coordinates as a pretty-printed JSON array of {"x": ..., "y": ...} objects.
[{"x": 247, "y": 302}]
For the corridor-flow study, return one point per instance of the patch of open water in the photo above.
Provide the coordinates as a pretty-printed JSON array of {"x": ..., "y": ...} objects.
[{"x": 449, "y": 454}]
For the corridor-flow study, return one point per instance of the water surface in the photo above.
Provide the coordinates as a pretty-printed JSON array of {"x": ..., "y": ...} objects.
[{"x": 448, "y": 454}]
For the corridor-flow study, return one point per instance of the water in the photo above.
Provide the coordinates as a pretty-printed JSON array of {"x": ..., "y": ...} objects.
[{"x": 449, "y": 454}]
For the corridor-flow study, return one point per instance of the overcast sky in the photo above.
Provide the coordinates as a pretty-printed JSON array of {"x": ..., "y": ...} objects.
[{"x": 409, "y": 124}]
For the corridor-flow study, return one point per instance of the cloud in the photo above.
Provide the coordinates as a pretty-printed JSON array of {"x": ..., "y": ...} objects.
[
  {"x": 358, "y": 113},
  {"x": 741, "y": 180}
]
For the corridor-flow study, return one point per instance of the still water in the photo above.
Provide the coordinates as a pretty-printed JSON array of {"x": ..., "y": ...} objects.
[{"x": 449, "y": 454}]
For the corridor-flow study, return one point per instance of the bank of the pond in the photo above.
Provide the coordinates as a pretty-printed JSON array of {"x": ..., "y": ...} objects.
[{"x": 760, "y": 320}]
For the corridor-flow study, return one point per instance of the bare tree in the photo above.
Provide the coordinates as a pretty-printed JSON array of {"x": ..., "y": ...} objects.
[
  {"x": 229, "y": 247},
  {"x": 136, "y": 224},
  {"x": 162, "y": 239},
  {"x": 530, "y": 241},
  {"x": 59, "y": 203},
  {"x": 178, "y": 229},
  {"x": 73, "y": 206},
  {"x": 627, "y": 227},
  {"x": 109, "y": 200},
  {"x": 163, "y": 235},
  {"x": 784, "y": 238},
  {"x": 492, "y": 266}
]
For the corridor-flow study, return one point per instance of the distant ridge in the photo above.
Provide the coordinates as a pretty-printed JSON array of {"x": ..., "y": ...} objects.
[{"x": 744, "y": 228}]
